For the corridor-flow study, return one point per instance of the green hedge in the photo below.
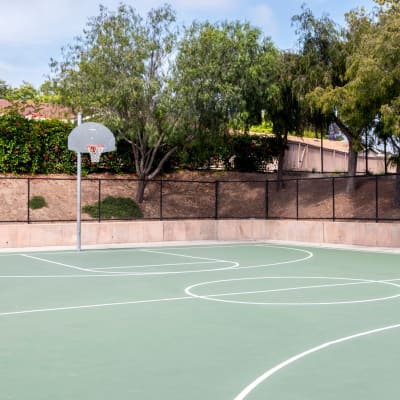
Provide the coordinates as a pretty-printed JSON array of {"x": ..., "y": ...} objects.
[
  {"x": 251, "y": 152},
  {"x": 40, "y": 147},
  {"x": 238, "y": 152}
]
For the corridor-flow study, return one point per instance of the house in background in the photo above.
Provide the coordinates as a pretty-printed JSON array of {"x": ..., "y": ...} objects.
[
  {"x": 311, "y": 155},
  {"x": 37, "y": 111}
]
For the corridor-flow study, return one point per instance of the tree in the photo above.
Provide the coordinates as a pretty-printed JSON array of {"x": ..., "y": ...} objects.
[
  {"x": 375, "y": 69},
  {"x": 316, "y": 65},
  {"x": 22, "y": 98},
  {"x": 117, "y": 72},
  {"x": 370, "y": 99},
  {"x": 285, "y": 109},
  {"x": 223, "y": 76},
  {"x": 25, "y": 92},
  {"x": 391, "y": 130},
  {"x": 4, "y": 89},
  {"x": 324, "y": 80}
]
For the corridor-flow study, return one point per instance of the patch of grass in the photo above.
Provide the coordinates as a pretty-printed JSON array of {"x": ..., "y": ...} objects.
[
  {"x": 37, "y": 202},
  {"x": 114, "y": 207}
]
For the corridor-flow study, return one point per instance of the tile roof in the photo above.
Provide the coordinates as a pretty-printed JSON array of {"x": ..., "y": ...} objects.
[
  {"x": 339, "y": 145},
  {"x": 33, "y": 110}
]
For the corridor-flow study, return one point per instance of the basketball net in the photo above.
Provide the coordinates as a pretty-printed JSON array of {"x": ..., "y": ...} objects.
[{"x": 95, "y": 151}]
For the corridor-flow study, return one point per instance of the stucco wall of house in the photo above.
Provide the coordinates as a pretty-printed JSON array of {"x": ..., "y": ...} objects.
[{"x": 304, "y": 154}]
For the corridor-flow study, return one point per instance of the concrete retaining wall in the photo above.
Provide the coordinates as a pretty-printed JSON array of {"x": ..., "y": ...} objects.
[{"x": 111, "y": 233}]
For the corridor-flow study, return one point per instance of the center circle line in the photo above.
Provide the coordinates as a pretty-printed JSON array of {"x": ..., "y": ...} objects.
[{"x": 215, "y": 297}]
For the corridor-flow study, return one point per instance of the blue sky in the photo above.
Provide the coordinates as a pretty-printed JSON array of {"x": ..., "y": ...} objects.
[{"x": 33, "y": 31}]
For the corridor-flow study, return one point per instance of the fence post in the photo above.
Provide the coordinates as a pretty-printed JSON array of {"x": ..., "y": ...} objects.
[
  {"x": 333, "y": 199},
  {"x": 161, "y": 199},
  {"x": 376, "y": 199},
  {"x": 99, "y": 200},
  {"x": 29, "y": 196},
  {"x": 297, "y": 199},
  {"x": 216, "y": 199},
  {"x": 266, "y": 198}
]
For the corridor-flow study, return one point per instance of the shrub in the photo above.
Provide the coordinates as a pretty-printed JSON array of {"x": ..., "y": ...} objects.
[
  {"x": 240, "y": 152},
  {"x": 37, "y": 202},
  {"x": 264, "y": 127},
  {"x": 250, "y": 153},
  {"x": 114, "y": 207},
  {"x": 29, "y": 146},
  {"x": 40, "y": 147}
]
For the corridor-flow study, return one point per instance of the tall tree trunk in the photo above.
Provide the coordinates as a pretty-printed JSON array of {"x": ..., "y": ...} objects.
[
  {"x": 140, "y": 190},
  {"x": 146, "y": 168},
  {"x": 352, "y": 163},
  {"x": 351, "y": 169},
  {"x": 281, "y": 161},
  {"x": 282, "y": 140}
]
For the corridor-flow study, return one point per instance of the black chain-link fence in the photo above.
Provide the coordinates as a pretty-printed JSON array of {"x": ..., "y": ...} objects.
[{"x": 330, "y": 198}]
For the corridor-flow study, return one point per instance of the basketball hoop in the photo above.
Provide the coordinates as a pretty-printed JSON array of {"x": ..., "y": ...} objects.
[
  {"x": 83, "y": 139},
  {"x": 95, "y": 151}
]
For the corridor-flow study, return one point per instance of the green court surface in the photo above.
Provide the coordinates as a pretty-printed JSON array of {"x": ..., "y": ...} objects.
[{"x": 200, "y": 322}]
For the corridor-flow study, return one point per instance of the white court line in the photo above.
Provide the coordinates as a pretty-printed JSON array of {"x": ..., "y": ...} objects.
[
  {"x": 211, "y": 260},
  {"x": 130, "y": 247},
  {"x": 211, "y": 297},
  {"x": 154, "y": 265},
  {"x": 101, "y": 305},
  {"x": 290, "y": 289},
  {"x": 202, "y": 260},
  {"x": 309, "y": 255},
  {"x": 248, "y": 389},
  {"x": 56, "y": 263},
  {"x": 183, "y": 255},
  {"x": 207, "y": 259},
  {"x": 117, "y": 273},
  {"x": 125, "y": 249},
  {"x": 64, "y": 276},
  {"x": 235, "y": 266}
]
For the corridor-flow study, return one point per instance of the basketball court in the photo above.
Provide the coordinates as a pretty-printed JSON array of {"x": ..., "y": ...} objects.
[{"x": 215, "y": 321}]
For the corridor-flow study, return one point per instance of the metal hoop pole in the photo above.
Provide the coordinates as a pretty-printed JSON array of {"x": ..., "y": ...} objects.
[
  {"x": 78, "y": 194},
  {"x": 78, "y": 202}
]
